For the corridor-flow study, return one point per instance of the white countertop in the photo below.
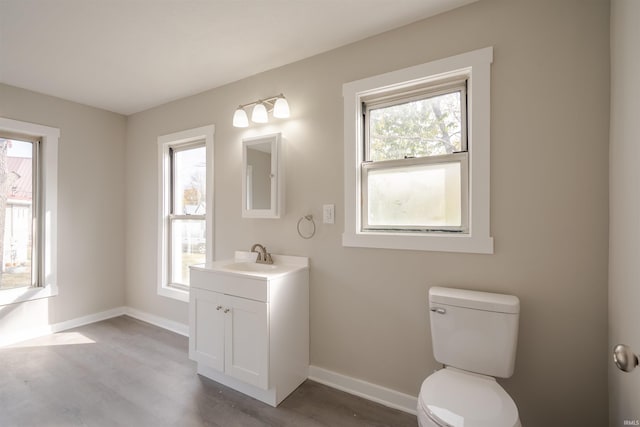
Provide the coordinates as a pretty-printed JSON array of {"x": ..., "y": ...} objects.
[{"x": 282, "y": 265}]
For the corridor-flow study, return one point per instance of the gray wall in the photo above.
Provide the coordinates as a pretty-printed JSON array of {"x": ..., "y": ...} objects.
[
  {"x": 549, "y": 194},
  {"x": 90, "y": 209}
]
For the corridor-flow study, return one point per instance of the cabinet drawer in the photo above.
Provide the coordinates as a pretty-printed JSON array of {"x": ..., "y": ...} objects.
[{"x": 245, "y": 287}]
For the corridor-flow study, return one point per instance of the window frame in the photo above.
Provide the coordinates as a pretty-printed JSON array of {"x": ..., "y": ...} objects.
[
  {"x": 36, "y": 243},
  {"x": 173, "y": 216},
  {"x": 167, "y": 146},
  {"x": 420, "y": 93},
  {"x": 475, "y": 67},
  {"x": 44, "y": 211}
]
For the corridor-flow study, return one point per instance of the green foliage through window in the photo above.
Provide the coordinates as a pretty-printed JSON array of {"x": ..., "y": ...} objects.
[{"x": 425, "y": 127}]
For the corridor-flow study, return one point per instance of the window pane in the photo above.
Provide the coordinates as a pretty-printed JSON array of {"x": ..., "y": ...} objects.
[
  {"x": 188, "y": 247},
  {"x": 16, "y": 194},
  {"x": 189, "y": 175},
  {"x": 425, "y": 127},
  {"x": 415, "y": 196}
]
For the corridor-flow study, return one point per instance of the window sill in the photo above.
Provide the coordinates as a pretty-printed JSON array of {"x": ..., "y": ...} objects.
[
  {"x": 174, "y": 293},
  {"x": 18, "y": 295},
  {"x": 465, "y": 243}
]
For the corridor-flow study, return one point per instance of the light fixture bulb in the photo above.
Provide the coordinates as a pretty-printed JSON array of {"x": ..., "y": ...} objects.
[
  {"x": 281, "y": 108},
  {"x": 259, "y": 114},
  {"x": 240, "y": 119}
]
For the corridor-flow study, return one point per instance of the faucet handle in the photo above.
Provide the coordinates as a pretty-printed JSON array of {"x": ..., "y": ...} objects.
[{"x": 268, "y": 259}]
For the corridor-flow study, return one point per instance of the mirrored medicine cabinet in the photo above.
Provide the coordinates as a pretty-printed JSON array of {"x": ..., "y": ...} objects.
[{"x": 262, "y": 177}]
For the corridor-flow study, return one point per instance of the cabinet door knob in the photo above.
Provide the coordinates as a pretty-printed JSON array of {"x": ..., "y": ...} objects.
[
  {"x": 226, "y": 310},
  {"x": 218, "y": 307}
]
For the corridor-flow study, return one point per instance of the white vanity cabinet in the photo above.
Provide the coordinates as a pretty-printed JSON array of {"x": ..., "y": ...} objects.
[
  {"x": 231, "y": 336},
  {"x": 249, "y": 330}
]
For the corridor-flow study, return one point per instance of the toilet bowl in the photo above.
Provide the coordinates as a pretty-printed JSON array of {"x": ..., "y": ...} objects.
[
  {"x": 453, "y": 398},
  {"x": 474, "y": 335}
]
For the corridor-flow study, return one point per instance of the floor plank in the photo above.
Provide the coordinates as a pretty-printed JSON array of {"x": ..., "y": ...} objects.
[{"x": 124, "y": 372}]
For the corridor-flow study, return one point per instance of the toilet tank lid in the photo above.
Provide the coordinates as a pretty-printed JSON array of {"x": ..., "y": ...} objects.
[{"x": 487, "y": 301}]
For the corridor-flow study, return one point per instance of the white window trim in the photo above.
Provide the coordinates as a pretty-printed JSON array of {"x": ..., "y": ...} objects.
[
  {"x": 477, "y": 66},
  {"x": 49, "y": 191},
  {"x": 164, "y": 143}
]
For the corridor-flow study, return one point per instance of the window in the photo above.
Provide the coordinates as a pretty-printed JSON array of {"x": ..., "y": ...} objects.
[
  {"x": 28, "y": 211},
  {"x": 417, "y": 157},
  {"x": 185, "y": 160},
  {"x": 414, "y": 171},
  {"x": 187, "y": 211},
  {"x": 19, "y": 239}
]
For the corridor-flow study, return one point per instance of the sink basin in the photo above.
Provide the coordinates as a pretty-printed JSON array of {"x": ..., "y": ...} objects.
[
  {"x": 249, "y": 266},
  {"x": 244, "y": 264}
]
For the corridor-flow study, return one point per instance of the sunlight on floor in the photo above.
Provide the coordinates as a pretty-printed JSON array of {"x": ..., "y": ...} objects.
[{"x": 61, "y": 338}]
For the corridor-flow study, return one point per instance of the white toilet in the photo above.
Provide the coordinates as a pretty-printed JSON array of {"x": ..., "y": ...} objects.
[{"x": 474, "y": 335}]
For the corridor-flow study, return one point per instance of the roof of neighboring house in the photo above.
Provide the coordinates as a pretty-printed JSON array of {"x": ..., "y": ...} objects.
[{"x": 21, "y": 188}]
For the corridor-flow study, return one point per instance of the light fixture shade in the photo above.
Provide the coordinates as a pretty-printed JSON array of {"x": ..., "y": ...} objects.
[
  {"x": 240, "y": 119},
  {"x": 281, "y": 108},
  {"x": 259, "y": 114}
]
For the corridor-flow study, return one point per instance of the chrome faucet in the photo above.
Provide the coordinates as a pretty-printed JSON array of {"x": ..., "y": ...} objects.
[{"x": 264, "y": 257}]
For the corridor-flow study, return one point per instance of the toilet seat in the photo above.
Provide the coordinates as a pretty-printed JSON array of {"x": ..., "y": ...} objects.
[{"x": 454, "y": 398}]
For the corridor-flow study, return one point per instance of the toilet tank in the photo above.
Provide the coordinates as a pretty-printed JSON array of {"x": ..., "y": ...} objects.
[{"x": 474, "y": 331}]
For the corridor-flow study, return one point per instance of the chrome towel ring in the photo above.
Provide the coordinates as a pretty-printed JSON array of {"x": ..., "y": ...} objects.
[{"x": 308, "y": 218}]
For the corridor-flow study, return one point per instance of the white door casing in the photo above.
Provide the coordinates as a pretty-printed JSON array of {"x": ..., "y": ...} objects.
[{"x": 624, "y": 209}]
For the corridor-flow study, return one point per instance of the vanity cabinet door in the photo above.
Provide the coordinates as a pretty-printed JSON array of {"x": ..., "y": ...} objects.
[
  {"x": 247, "y": 341},
  {"x": 207, "y": 319}
]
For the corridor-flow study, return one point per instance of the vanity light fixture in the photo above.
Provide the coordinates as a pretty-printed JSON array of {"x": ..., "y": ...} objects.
[
  {"x": 277, "y": 104},
  {"x": 240, "y": 119},
  {"x": 281, "y": 108},
  {"x": 259, "y": 114}
]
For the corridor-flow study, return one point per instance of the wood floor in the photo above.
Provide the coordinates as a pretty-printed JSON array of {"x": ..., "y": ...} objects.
[{"x": 123, "y": 372}]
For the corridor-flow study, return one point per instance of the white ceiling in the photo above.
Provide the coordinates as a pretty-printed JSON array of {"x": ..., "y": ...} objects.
[{"x": 129, "y": 55}]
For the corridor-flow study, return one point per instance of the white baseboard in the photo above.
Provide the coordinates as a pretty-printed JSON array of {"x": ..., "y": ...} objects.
[
  {"x": 178, "y": 328},
  {"x": 61, "y": 326},
  {"x": 162, "y": 322},
  {"x": 382, "y": 395},
  {"x": 85, "y": 320}
]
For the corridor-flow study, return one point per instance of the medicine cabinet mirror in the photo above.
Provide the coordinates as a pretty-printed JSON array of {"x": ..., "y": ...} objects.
[{"x": 262, "y": 177}]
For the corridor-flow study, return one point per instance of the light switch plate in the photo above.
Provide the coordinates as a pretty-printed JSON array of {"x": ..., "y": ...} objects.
[{"x": 328, "y": 214}]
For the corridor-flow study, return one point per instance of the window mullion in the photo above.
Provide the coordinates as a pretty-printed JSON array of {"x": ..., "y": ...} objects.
[
  {"x": 186, "y": 217},
  {"x": 387, "y": 164}
]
